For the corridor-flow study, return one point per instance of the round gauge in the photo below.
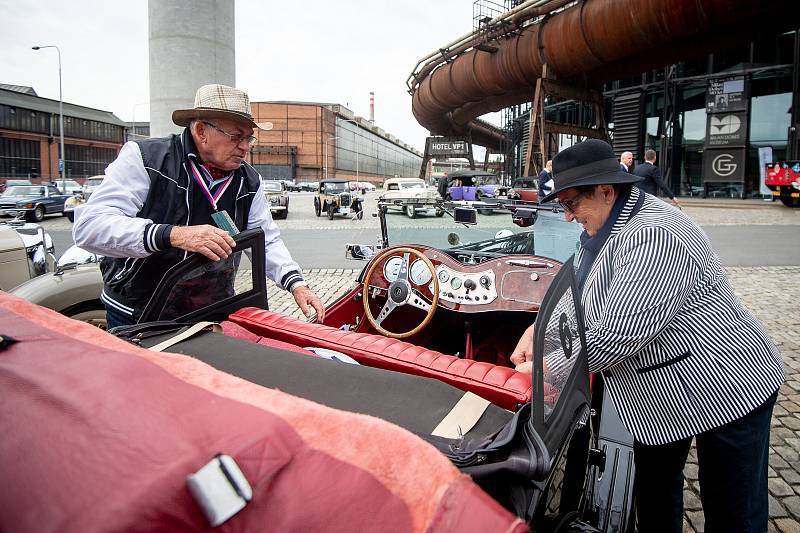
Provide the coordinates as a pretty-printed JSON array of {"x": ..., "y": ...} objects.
[
  {"x": 455, "y": 283},
  {"x": 443, "y": 276},
  {"x": 420, "y": 275},
  {"x": 391, "y": 269}
]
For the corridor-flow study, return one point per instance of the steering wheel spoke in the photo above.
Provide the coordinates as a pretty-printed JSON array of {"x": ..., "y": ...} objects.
[
  {"x": 416, "y": 299},
  {"x": 387, "y": 308}
]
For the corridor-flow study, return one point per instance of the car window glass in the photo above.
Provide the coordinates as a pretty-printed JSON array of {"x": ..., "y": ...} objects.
[
  {"x": 207, "y": 285},
  {"x": 394, "y": 187},
  {"x": 412, "y": 185},
  {"x": 562, "y": 346}
]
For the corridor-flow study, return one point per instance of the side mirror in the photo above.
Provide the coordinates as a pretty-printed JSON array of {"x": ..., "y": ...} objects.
[
  {"x": 465, "y": 215},
  {"x": 359, "y": 252},
  {"x": 523, "y": 217}
]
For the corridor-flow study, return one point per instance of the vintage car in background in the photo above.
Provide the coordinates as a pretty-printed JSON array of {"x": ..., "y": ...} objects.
[
  {"x": 90, "y": 185},
  {"x": 334, "y": 197},
  {"x": 68, "y": 186},
  {"x": 10, "y": 182},
  {"x": 26, "y": 251},
  {"x": 277, "y": 198},
  {"x": 33, "y": 201},
  {"x": 526, "y": 189},
  {"x": 412, "y": 196},
  {"x": 474, "y": 185},
  {"x": 428, "y": 328}
]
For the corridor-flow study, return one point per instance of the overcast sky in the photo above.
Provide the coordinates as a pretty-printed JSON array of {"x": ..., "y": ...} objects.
[{"x": 285, "y": 50}]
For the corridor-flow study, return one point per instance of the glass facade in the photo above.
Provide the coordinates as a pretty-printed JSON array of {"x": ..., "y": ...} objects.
[
  {"x": 375, "y": 155},
  {"x": 86, "y": 161},
  {"x": 13, "y": 118},
  {"x": 19, "y": 158}
]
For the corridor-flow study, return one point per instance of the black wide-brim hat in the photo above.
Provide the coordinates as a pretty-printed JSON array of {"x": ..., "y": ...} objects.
[{"x": 591, "y": 162}]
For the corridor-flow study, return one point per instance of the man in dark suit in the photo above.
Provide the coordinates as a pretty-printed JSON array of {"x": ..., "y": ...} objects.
[
  {"x": 546, "y": 179},
  {"x": 652, "y": 177}
]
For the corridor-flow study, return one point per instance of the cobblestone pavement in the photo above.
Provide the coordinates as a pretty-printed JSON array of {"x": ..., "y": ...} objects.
[{"x": 772, "y": 294}]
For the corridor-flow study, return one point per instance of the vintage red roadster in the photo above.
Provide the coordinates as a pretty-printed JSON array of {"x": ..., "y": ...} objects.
[{"x": 401, "y": 412}]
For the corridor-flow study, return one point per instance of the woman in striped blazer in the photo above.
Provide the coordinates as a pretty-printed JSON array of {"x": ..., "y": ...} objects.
[{"x": 682, "y": 358}]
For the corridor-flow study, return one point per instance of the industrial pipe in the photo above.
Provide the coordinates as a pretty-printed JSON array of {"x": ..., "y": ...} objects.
[{"x": 589, "y": 42}]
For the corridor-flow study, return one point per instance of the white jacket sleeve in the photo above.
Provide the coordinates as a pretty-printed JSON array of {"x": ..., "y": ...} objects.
[
  {"x": 280, "y": 266},
  {"x": 107, "y": 223}
]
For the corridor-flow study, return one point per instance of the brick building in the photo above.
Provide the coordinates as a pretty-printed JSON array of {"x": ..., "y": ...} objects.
[
  {"x": 29, "y": 136},
  {"x": 310, "y": 141}
]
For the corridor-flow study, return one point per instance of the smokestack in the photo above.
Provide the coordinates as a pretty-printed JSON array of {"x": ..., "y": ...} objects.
[{"x": 372, "y": 107}]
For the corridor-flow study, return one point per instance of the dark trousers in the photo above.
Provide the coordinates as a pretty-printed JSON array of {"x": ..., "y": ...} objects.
[
  {"x": 114, "y": 318},
  {"x": 732, "y": 465}
]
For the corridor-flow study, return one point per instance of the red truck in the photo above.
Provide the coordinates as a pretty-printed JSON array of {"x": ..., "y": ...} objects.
[{"x": 783, "y": 178}]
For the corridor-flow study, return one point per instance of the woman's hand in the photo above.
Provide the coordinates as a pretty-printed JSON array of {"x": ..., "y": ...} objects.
[{"x": 523, "y": 353}]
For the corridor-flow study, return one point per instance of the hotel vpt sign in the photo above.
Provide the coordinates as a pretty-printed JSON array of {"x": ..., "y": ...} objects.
[
  {"x": 447, "y": 146},
  {"x": 726, "y": 129}
]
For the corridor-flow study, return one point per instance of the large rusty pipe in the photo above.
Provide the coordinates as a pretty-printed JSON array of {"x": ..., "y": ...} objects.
[{"x": 594, "y": 41}]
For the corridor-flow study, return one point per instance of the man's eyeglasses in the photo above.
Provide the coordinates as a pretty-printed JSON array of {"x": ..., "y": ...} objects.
[{"x": 236, "y": 138}]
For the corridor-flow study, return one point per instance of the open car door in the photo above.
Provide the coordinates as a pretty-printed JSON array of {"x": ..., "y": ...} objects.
[
  {"x": 200, "y": 289},
  {"x": 537, "y": 463}
]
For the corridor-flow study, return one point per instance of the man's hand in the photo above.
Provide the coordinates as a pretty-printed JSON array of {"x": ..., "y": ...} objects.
[
  {"x": 676, "y": 203},
  {"x": 305, "y": 297},
  {"x": 212, "y": 242},
  {"x": 524, "y": 350}
]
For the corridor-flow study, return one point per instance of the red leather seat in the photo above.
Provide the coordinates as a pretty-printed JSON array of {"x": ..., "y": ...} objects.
[{"x": 502, "y": 386}]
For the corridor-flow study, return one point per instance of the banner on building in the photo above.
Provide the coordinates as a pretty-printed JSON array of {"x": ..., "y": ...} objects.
[
  {"x": 723, "y": 165},
  {"x": 446, "y": 147},
  {"x": 726, "y": 94},
  {"x": 764, "y": 157},
  {"x": 726, "y": 129}
]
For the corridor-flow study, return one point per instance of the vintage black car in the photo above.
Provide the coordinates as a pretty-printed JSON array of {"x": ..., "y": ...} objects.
[
  {"x": 35, "y": 201},
  {"x": 335, "y": 198}
]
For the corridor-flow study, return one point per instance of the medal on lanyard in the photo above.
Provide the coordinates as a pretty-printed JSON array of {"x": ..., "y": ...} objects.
[{"x": 221, "y": 218}]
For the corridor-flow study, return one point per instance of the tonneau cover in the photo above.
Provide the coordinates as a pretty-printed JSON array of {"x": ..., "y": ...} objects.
[{"x": 99, "y": 435}]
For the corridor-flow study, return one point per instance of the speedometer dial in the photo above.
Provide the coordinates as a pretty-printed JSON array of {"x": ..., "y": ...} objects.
[
  {"x": 391, "y": 269},
  {"x": 420, "y": 275}
]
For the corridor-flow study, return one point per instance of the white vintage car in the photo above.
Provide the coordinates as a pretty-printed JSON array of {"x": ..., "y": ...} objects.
[{"x": 411, "y": 195}]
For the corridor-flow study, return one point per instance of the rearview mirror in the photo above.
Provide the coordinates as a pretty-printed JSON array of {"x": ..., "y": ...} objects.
[
  {"x": 523, "y": 217},
  {"x": 359, "y": 252},
  {"x": 465, "y": 215}
]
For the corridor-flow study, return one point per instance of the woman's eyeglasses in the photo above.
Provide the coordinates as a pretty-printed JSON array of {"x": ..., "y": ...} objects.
[
  {"x": 236, "y": 138},
  {"x": 572, "y": 204}
]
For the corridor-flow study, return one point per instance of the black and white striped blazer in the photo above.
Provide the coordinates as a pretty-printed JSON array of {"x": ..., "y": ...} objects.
[{"x": 680, "y": 353}]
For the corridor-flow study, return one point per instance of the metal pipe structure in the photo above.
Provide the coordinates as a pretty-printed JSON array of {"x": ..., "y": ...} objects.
[{"x": 588, "y": 42}]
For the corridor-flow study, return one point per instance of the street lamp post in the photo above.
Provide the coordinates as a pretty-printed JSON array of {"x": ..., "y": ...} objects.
[
  {"x": 61, "y": 163},
  {"x": 329, "y": 139}
]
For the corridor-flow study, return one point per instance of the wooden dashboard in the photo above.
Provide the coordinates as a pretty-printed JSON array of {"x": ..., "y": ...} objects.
[{"x": 508, "y": 283}]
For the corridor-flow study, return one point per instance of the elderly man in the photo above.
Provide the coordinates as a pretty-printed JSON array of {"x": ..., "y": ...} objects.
[
  {"x": 164, "y": 197},
  {"x": 626, "y": 161},
  {"x": 681, "y": 357}
]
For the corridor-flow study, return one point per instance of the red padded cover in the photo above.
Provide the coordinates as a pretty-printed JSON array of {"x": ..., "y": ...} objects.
[
  {"x": 99, "y": 435},
  {"x": 502, "y": 386},
  {"x": 236, "y": 331}
]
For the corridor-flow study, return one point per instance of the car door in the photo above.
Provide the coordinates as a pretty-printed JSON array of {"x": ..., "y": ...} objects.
[
  {"x": 199, "y": 289},
  {"x": 54, "y": 202}
]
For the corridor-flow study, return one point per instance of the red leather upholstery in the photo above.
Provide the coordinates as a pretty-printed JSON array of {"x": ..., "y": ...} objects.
[{"x": 500, "y": 385}]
